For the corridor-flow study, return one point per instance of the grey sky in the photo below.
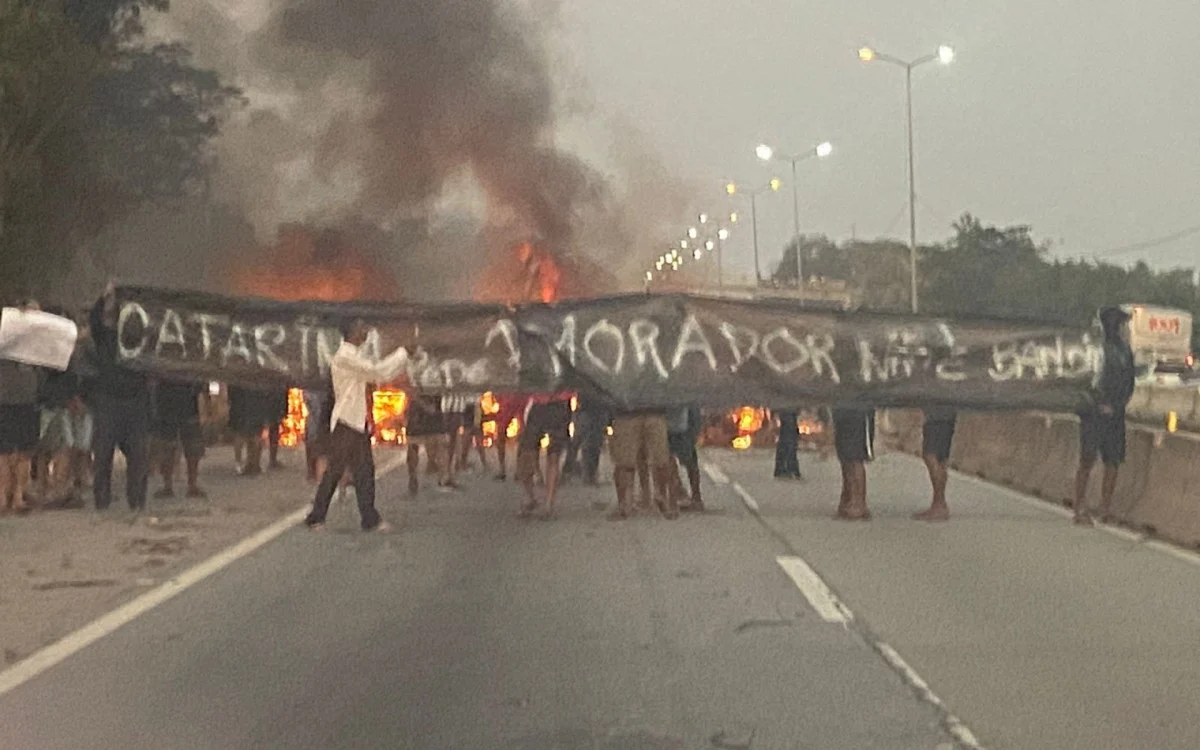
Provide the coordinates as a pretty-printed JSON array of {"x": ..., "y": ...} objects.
[{"x": 1080, "y": 118}]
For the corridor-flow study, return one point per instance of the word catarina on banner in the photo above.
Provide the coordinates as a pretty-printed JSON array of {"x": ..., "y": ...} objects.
[{"x": 637, "y": 351}]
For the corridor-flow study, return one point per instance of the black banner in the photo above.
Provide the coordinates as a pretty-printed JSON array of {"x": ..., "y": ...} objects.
[
  {"x": 260, "y": 342},
  {"x": 635, "y": 351}
]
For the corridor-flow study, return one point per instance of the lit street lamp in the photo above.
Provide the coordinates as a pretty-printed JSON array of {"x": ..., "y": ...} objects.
[
  {"x": 766, "y": 153},
  {"x": 771, "y": 187},
  {"x": 722, "y": 234},
  {"x": 945, "y": 56}
]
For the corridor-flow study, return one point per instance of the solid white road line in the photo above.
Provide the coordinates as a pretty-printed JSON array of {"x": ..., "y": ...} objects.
[
  {"x": 714, "y": 473},
  {"x": 1120, "y": 532},
  {"x": 1173, "y": 551},
  {"x": 1033, "y": 502},
  {"x": 747, "y": 498},
  {"x": 47, "y": 657},
  {"x": 959, "y": 730},
  {"x": 824, "y": 601}
]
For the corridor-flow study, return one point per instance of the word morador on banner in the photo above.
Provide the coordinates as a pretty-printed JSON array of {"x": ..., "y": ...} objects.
[{"x": 642, "y": 351}]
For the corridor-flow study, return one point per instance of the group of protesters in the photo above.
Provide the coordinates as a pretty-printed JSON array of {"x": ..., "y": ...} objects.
[
  {"x": 60, "y": 430},
  {"x": 656, "y": 443},
  {"x": 1101, "y": 436},
  {"x": 650, "y": 442}
]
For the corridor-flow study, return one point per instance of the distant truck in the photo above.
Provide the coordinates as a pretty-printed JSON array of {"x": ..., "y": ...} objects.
[{"x": 1161, "y": 338}]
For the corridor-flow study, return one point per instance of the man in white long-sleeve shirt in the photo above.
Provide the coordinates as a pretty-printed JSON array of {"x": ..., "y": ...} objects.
[{"x": 353, "y": 377}]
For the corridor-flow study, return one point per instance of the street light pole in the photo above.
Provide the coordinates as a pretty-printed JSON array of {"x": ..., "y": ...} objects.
[
  {"x": 720, "y": 261},
  {"x": 796, "y": 226},
  {"x": 944, "y": 55},
  {"x": 766, "y": 153},
  {"x": 772, "y": 186},
  {"x": 912, "y": 193},
  {"x": 754, "y": 232}
]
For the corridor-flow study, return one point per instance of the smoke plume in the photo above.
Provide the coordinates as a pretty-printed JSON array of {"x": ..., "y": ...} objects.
[
  {"x": 444, "y": 89},
  {"x": 433, "y": 121}
]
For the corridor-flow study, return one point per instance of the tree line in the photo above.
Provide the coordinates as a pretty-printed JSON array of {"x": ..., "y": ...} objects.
[
  {"x": 989, "y": 271},
  {"x": 96, "y": 121}
]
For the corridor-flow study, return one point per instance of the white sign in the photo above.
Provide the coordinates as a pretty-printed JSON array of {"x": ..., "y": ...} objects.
[{"x": 37, "y": 338}]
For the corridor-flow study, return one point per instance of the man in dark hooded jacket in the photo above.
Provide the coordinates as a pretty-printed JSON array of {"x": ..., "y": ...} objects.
[
  {"x": 121, "y": 405},
  {"x": 1102, "y": 427}
]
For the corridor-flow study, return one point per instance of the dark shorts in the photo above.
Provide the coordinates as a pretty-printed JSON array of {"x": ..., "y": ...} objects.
[
  {"x": 1103, "y": 436},
  {"x": 937, "y": 437},
  {"x": 20, "y": 428},
  {"x": 455, "y": 421},
  {"x": 854, "y": 434},
  {"x": 683, "y": 447},
  {"x": 188, "y": 434},
  {"x": 552, "y": 420},
  {"x": 247, "y": 423}
]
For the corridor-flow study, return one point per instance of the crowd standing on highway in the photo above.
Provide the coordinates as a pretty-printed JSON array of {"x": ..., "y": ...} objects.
[{"x": 59, "y": 432}]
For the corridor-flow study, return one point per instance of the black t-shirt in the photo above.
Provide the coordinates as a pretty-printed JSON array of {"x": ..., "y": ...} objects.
[
  {"x": 177, "y": 403},
  {"x": 59, "y": 388},
  {"x": 941, "y": 413},
  {"x": 424, "y": 416}
]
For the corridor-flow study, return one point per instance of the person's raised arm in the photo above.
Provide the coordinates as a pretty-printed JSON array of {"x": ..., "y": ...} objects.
[{"x": 384, "y": 371}]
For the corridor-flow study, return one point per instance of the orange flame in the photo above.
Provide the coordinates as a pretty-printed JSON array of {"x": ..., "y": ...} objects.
[
  {"x": 305, "y": 264},
  {"x": 748, "y": 421},
  {"x": 388, "y": 409},
  {"x": 543, "y": 276},
  {"x": 291, "y": 431},
  {"x": 490, "y": 406}
]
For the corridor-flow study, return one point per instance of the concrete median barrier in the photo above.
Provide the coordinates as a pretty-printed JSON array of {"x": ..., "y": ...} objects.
[
  {"x": 1158, "y": 488},
  {"x": 1052, "y": 477},
  {"x": 1151, "y": 404},
  {"x": 1141, "y": 460},
  {"x": 1170, "y": 502}
]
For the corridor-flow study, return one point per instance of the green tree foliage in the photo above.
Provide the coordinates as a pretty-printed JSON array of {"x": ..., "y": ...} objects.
[
  {"x": 990, "y": 271},
  {"x": 94, "y": 124}
]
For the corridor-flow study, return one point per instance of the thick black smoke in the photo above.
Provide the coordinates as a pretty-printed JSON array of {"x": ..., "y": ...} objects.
[{"x": 450, "y": 85}]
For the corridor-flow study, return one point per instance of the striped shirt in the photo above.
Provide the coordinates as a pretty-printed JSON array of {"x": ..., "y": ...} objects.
[{"x": 455, "y": 403}]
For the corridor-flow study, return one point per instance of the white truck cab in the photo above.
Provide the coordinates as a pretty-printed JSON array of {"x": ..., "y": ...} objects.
[{"x": 1161, "y": 339}]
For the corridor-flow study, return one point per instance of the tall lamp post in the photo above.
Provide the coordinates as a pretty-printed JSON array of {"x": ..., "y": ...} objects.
[
  {"x": 771, "y": 187},
  {"x": 945, "y": 56},
  {"x": 722, "y": 235},
  {"x": 766, "y": 153}
]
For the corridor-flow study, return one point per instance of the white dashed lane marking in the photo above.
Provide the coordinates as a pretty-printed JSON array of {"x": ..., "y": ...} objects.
[{"x": 55, "y": 653}]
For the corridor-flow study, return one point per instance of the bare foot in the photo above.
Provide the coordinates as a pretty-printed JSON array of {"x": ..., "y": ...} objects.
[
  {"x": 851, "y": 513},
  {"x": 934, "y": 513},
  {"x": 527, "y": 510},
  {"x": 618, "y": 515},
  {"x": 1083, "y": 519},
  {"x": 316, "y": 528},
  {"x": 382, "y": 527}
]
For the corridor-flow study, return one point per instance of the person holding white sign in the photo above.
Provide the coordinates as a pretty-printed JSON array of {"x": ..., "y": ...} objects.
[{"x": 20, "y": 427}]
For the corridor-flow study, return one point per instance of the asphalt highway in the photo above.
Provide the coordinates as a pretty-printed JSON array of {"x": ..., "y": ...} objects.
[{"x": 762, "y": 623}]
